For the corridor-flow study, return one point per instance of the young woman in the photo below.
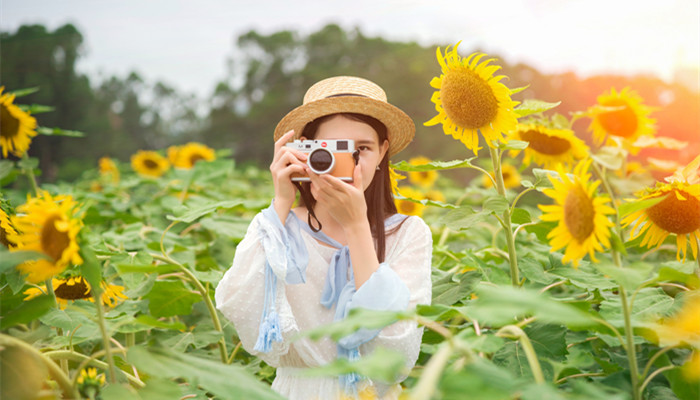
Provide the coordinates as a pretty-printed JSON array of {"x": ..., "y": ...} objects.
[{"x": 344, "y": 247}]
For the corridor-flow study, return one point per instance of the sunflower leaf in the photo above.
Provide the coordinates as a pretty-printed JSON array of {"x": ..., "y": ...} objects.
[
  {"x": 24, "y": 92},
  {"x": 462, "y": 218},
  {"x": 91, "y": 269},
  {"x": 434, "y": 165},
  {"x": 628, "y": 208},
  {"x": 58, "y": 132},
  {"x": 35, "y": 108},
  {"x": 28, "y": 311},
  {"x": 201, "y": 211},
  {"x": 426, "y": 202},
  {"x": 496, "y": 204},
  {"x": 514, "y": 145},
  {"x": 382, "y": 364},
  {"x": 610, "y": 157},
  {"x": 9, "y": 260},
  {"x": 531, "y": 106},
  {"x": 518, "y": 90}
]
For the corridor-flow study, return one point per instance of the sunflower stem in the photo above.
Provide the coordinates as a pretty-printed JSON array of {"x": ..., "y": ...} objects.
[
  {"x": 30, "y": 175},
  {"x": 609, "y": 191},
  {"x": 631, "y": 351},
  {"x": 69, "y": 391},
  {"x": 96, "y": 295},
  {"x": 204, "y": 292},
  {"x": 510, "y": 240}
]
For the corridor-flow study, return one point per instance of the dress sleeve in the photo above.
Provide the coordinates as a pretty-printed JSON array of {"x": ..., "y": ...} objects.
[
  {"x": 411, "y": 263},
  {"x": 240, "y": 295}
]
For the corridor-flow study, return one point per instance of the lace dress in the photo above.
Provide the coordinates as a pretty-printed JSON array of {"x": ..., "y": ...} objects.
[{"x": 302, "y": 288}]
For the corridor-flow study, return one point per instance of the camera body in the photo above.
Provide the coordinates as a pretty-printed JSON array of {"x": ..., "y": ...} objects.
[{"x": 336, "y": 157}]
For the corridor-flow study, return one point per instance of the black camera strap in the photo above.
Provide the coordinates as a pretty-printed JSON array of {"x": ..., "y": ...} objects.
[{"x": 307, "y": 201}]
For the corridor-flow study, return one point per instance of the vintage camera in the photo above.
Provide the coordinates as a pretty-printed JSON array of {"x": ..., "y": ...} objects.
[{"x": 336, "y": 157}]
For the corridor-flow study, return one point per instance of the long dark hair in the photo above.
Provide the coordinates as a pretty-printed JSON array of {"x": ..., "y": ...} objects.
[{"x": 380, "y": 203}]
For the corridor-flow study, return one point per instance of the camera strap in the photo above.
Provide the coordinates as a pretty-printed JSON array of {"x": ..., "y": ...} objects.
[{"x": 307, "y": 202}]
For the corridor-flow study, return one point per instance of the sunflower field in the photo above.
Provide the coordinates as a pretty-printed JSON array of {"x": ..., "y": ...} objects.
[{"x": 566, "y": 270}]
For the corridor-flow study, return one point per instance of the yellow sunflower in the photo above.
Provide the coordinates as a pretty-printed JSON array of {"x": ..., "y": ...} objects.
[
  {"x": 549, "y": 147},
  {"x": 17, "y": 127},
  {"x": 511, "y": 177},
  {"x": 395, "y": 178},
  {"x": 186, "y": 156},
  {"x": 678, "y": 213},
  {"x": 435, "y": 195},
  {"x": 583, "y": 226},
  {"x": 6, "y": 229},
  {"x": 108, "y": 168},
  {"x": 470, "y": 99},
  {"x": 424, "y": 179},
  {"x": 408, "y": 207},
  {"x": 78, "y": 288},
  {"x": 48, "y": 225},
  {"x": 623, "y": 115},
  {"x": 149, "y": 163}
]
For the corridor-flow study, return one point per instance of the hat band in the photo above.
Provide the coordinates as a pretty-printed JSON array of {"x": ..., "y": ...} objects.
[{"x": 345, "y": 94}]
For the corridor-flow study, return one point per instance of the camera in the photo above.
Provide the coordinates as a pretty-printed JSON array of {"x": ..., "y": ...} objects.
[{"x": 336, "y": 157}]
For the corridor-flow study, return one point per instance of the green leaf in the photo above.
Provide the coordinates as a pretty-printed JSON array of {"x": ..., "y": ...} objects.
[
  {"x": 497, "y": 204},
  {"x": 481, "y": 380},
  {"x": 58, "y": 132},
  {"x": 91, "y": 269},
  {"x": 203, "y": 210},
  {"x": 610, "y": 157},
  {"x": 356, "y": 319},
  {"x": 585, "y": 277},
  {"x": 649, "y": 304},
  {"x": 170, "y": 298},
  {"x": 514, "y": 145},
  {"x": 148, "y": 269},
  {"x": 462, "y": 218},
  {"x": 434, "y": 165},
  {"x": 520, "y": 216},
  {"x": 627, "y": 208},
  {"x": 427, "y": 202},
  {"x": 531, "y": 106},
  {"x": 28, "y": 163},
  {"x": 6, "y": 167},
  {"x": 24, "y": 92},
  {"x": 629, "y": 276},
  {"x": 23, "y": 372},
  {"x": 500, "y": 305},
  {"x": 382, "y": 364},
  {"x": 518, "y": 90},
  {"x": 156, "y": 323},
  {"x": 35, "y": 108},
  {"x": 455, "y": 288},
  {"x": 225, "y": 381},
  {"x": 28, "y": 311},
  {"x": 11, "y": 259}
]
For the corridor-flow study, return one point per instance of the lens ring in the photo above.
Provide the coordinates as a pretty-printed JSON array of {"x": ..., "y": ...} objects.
[{"x": 321, "y": 161}]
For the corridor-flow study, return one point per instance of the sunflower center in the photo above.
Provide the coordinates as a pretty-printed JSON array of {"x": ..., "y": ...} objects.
[
  {"x": 53, "y": 241},
  {"x": 9, "y": 125},
  {"x": 78, "y": 290},
  {"x": 195, "y": 157},
  {"x": 150, "y": 164},
  {"x": 622, "y": 122},
  {"x": 468, "y": 100},
  {"x": 676, "y": 216},
  {"x": 579, "y": 214},
  {"x": 545, "y": 144}
]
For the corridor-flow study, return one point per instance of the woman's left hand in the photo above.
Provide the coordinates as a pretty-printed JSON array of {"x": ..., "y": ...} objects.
[{"x": 345, "y": 200}]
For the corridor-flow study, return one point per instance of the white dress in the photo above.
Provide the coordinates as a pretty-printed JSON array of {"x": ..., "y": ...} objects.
[{"x": 240, "y": 297}]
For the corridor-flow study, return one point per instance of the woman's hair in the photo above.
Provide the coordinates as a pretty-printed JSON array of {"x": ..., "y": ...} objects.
[{"x": 380, "y": 203}]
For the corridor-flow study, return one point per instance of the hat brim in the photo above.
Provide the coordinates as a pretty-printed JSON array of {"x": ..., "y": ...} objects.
[{"x": 400, "y": 127}]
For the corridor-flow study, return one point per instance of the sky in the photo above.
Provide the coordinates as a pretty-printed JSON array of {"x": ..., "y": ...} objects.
[{"x": 185, "y": 44}]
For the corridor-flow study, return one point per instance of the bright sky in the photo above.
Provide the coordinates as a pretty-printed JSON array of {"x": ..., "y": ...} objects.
[{"x": 186, "y": 43}]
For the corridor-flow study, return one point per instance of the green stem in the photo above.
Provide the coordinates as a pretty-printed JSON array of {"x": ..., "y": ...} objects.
[
  {"x": 653, "y": 358},
  {"x": 443, "y": 236},
  {"x": 432, "y": 372},
  {"x": 653, "y": 375},
  {"x": 55, "y": 372},
  {"x": 514, "y": 332},
  {"x": 130, "y": 339},
  {"x": 205, "y": 296},
  {"x": 96, "y": 295},
  {"x": 631, "y": 351},
  {"x": 510, "y": 240},
  {"x": 90, "y": 361},
  {"x": 30, "y": 175}
]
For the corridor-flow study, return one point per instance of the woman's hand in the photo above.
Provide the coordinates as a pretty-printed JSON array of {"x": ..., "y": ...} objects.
[
  {"x": 345, "y": 200},
  {"x": 285, "y": 162}
]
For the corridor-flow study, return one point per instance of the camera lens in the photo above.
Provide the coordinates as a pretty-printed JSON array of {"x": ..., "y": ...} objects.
[{"x": 321, "y": 161}]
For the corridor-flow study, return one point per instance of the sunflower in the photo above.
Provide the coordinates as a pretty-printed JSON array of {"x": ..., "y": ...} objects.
[
  {"x": 17, "y": 127},
  {"x": 470, "y": 99},
  {"x": 684, "y": 326},
  {"x": 549, "y": 147},
  {"x": 408, "y": 207},
  {"x": 435, "y": 195},
  {"x": 48, "y": 225},
  {"x": 395, "y": 178},
  {"x": 511, "y": 177},
  {"x": 424, "y": 179},
  {"x": 108, "y": 168},
  {"x": 6, "y": 229},
  {"x": 78, "y": 288},
  {"x": 678, "y": 213},
  {"x": 149, "y": 163},
  {"x": 623, "y": 115},
  {"x": 583, "y": 226},
  {"x": 184, "y": 157}
]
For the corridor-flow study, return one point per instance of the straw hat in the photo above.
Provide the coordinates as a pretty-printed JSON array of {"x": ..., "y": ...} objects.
[{"x": 349, "y": 94}]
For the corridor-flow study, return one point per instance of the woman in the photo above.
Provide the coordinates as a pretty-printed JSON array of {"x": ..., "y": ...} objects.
[{"x": 345, "y": 247}]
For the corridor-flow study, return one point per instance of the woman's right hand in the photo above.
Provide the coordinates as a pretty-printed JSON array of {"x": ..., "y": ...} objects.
[{"x": 285, "y": 162}]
